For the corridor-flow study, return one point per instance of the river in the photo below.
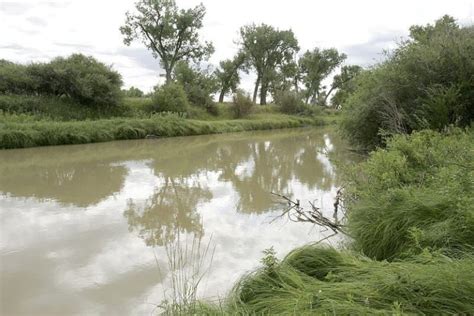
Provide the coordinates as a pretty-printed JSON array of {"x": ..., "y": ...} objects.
[{"x": 89, "y": 229}]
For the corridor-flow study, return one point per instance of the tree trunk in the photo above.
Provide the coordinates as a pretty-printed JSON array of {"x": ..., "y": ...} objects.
[
  {"x": 255, "y": 91},
  {"x": 263, "y": 93},
  {"x": 221, "y": 96},
  {"x": 168, "y": 75}
]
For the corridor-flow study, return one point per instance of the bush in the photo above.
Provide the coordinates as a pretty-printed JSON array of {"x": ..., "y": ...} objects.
[
  {"x": 242, "y": 104},
  {"x": 289, "y": 102},
  {"x": 14, "y": 79},
  {"x": 416, "y": 194},
  {"x": 88, "y": 81},
  {"x": 425, "y": 83},
  {"x": 170, "y": 97},
  {"x": 83, "y": 79}
]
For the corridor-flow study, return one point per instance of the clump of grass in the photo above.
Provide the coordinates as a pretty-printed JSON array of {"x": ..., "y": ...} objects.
[
  {"x": 417, "y": 193},
  {"x": 189, "y": 260},
  {"x": 352, "y": 284}
]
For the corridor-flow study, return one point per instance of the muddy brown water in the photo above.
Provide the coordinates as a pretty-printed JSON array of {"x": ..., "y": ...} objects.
[{"x": 85, "y": 229}]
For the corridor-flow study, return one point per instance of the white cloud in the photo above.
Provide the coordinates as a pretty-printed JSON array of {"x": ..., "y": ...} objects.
[{"x": 40, "y": 30}]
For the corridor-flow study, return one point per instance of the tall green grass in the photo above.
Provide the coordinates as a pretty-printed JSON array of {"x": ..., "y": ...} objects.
[
  {"x": 318, "y": 281},
  {"x": 62, "y": 109},
  {"x": 418, "y": 193},
  {"x": 20, "y": 134}
]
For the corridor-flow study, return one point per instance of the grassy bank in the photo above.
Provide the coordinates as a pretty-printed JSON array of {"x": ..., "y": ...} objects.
[
  {"x": 322, "y": 281},
  {"x": 24, "y": 131}
]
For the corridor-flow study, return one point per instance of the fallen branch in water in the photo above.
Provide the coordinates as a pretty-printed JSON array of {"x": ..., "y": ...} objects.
[{"x": 296, "y": 213}]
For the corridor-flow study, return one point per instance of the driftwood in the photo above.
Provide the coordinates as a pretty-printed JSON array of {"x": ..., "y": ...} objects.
[{"x": 296, "y": 213}]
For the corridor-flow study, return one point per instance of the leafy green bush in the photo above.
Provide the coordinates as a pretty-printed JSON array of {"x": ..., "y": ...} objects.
[
  {"x": 81, "y": 78},
  {"x": 242, "y": 105},
  {"x": 290, "y": 102},
  {"x": 88, "y": 81},
  {"x": 416, "y": 194},
  {"x": 14, "y": 78},
  {"x": 170, "y": 97},
  {"x": 425, "y": 83}
]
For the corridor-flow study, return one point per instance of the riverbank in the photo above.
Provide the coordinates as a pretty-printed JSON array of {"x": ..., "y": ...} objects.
[{"x": 23, "y": 133}]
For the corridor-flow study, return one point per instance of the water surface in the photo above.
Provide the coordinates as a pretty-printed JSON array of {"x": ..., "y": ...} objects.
[{"x": 84, "y": 229}]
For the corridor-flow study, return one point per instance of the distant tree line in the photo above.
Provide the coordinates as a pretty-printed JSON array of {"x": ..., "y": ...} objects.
[{"x": 172, "y": 35}]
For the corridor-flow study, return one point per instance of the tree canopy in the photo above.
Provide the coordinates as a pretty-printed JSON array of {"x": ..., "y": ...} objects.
[
  {"x": 170, "y": 33},
  {"x": 267, "y": 50}
]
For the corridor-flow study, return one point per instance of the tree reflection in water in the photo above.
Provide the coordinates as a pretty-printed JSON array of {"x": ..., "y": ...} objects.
[
  {"x": 170, "y": 211},
  {"x": 255, "y": 166}
]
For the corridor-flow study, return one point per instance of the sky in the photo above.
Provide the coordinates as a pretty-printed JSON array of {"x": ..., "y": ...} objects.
[{"x": 39, "y": 30}]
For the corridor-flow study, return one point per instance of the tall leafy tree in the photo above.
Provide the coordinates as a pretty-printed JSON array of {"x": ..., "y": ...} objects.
[
  {"x": 315, "y": 66},
  {"x": 228, "y": 74},
  {"x": 170, "y": 33},
  {"x": 267, "y": 49}
]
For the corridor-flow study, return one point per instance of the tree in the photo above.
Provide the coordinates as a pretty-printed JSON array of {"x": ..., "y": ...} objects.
[
  {"x": 199, "y": 85},
  {"x": 228, "y": 74},
  {"x": 315, "y": 66},
  {"x": 267, "y": 49},
  {"x": 344, "y": 84},
  {"x": 171, "y": 34},
  {"x": 134, "y": 93}
]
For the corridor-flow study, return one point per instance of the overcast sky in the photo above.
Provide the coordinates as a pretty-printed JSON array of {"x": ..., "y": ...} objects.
[{"x": 36, "y": 30}]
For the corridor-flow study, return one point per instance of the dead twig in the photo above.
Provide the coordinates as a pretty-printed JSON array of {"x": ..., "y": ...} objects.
[{"x": 296, "y": 213}]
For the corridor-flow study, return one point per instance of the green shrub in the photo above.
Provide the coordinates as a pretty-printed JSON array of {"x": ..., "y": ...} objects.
[
  {"x": 416, "y": 194},
  {"x": 14, "y": 79},
  {"x": 290, "y": 102},
  {"x": 81, "y": 78},
  {"x": 242, "y": 105},
  {"x": 170, "y": 97},
  {"x": 425, "y": 83}
]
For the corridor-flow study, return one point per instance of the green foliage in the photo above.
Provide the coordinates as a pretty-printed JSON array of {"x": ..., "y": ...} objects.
[
  {"x": 14, "y": 78},
  {"x": 171, "y": 34},
  {"x": 322, "y": 281},
  {"x": 228, "y": 74},
  {"x": 86, "y": 80},
  {"x": 345, "y": 85},
  {"x": 242, "y": 105},
  {"x": 170, "y": 97},
  {"x": 425, "y": 83},
  {"x": 58, "y": 108},
  {"x": 267, "y": 49},
  {"x": 416, "y": 194},
  {"x": 133, "y": 92},
  {"x": 198, "y": 84},
  {"x": 290, "y": 102},
  {"x": 315, "y": 66},
  {"x": 83, "y": 79}
]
